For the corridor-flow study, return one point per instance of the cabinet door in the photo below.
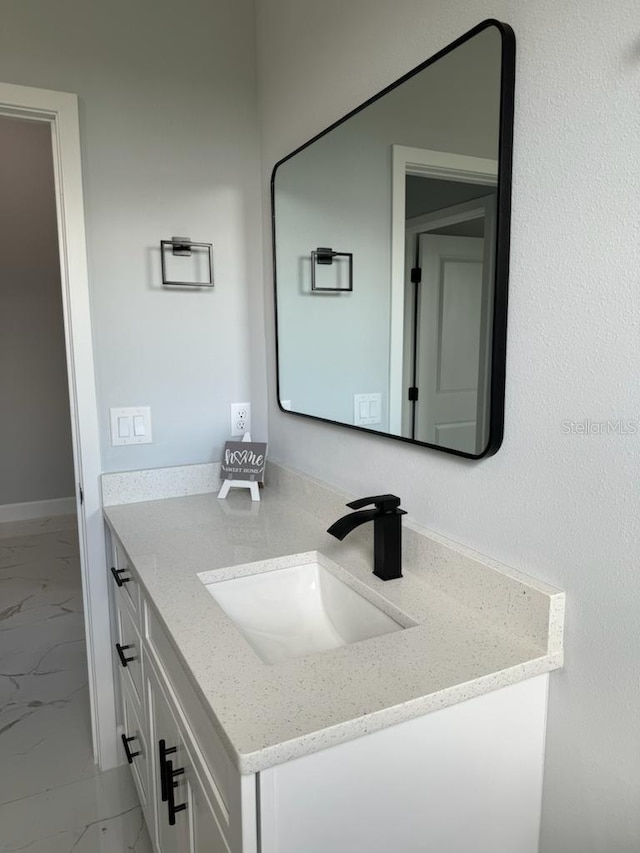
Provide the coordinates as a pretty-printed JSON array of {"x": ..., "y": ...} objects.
[
  {"x": 463, "y": 779},
  {"x": 207, "y": 837},
  {"x": 195, "y": 828},
  {"x": 171, "y": 793}
]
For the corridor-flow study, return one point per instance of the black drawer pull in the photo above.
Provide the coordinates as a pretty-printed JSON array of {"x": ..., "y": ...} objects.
[
  {"x": 124, "y": 660},
  {"x": 116, "y": 574},
  {"x": 172, "y": 808},
  {"x": 164, "y": 751},
  {"x": 125, "y": 742}
]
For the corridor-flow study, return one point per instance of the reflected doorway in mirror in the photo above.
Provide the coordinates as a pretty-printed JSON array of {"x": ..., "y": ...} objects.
[
  {"x": 441, "y": 300},
  {"x": 447, "y": 299}
]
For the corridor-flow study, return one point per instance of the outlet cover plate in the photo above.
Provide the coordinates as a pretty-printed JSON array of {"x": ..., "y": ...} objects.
[{"x": 240, "y": 418}]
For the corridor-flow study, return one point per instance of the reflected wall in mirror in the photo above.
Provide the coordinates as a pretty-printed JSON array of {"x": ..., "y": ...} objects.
[{"x": 391, "y": 248}]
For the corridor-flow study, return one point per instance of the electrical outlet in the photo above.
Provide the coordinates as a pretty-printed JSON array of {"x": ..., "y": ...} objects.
[{"x": 240, "y": 418}]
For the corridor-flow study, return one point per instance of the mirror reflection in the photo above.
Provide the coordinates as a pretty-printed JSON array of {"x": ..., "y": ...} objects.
[{"x": 390, "y": 286}]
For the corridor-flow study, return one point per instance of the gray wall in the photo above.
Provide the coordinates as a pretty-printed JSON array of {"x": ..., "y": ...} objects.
[
  {"x": 563, "y": 506},
  {"x": 36, "y": 461},
  {"x": 169, "y": 139}
]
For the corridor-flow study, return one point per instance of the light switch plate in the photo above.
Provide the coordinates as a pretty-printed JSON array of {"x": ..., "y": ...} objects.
[
  {"x": 367, "y": 409},
  {"x": 131, "y": 425}
]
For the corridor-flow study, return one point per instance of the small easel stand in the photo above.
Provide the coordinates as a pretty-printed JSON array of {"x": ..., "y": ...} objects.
[{"x": 240, "y": 484}]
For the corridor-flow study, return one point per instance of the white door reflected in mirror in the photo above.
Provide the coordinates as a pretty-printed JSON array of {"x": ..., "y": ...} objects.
[{"x": 447, "y": 322}]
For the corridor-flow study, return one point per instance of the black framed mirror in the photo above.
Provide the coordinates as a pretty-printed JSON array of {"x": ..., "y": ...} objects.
[{"x": 391, "y": 255}]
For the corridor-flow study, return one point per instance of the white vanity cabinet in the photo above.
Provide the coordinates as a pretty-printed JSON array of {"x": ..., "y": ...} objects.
[
  {"x": 186, "y": 809},
  {"x": 464, "y": 779}
]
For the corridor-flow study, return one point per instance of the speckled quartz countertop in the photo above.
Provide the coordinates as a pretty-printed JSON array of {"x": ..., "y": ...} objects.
[{"x": 479, "y": 625}]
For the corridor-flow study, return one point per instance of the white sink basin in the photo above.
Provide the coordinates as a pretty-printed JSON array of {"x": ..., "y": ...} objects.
[{"x": 299, "y": 609}]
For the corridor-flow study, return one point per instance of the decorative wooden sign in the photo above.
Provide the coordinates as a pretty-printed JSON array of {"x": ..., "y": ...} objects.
[{"x": 243, "y": 464}]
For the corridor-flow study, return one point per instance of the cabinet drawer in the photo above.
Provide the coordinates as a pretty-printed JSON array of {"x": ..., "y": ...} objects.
[
  {"x": 128, "y": 653},
  {"x": 124, "y": 578},
  {"x": 225, "y": 778}
]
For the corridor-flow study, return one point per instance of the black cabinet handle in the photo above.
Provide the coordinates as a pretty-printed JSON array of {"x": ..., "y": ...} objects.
[
  {"x": 116, "y": 574},
  {"x": 164, "y": 751},
  {"x": 173, "y": 809},
  {"x": 124, "y": 660},
  {"x": 125, "y": 742}
]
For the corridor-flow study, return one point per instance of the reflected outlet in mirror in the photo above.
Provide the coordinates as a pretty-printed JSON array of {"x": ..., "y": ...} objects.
[
  {"x": 391, "y": 250},
  {"x": 302, "y": 607}
]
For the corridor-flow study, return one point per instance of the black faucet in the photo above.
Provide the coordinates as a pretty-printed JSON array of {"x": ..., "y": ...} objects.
[{"x": 387, "y": 532}]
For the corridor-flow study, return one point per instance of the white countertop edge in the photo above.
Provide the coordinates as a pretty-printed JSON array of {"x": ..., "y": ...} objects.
[{"x": 270, "y": 756}]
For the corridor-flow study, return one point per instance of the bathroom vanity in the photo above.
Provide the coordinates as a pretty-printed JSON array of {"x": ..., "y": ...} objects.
[
  {"x": 427, "y": 737},
  {"x": 275, "y": 696}
]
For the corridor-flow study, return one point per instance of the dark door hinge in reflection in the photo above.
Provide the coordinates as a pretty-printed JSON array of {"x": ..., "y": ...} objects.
[
  {"x": 81, "y": 494},
  {"x": 413, "y": 394},
  {"x": 416, "y": 275}
]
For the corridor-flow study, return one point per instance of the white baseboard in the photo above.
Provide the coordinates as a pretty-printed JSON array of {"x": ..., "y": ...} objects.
[{"x": 37, "y": 509}]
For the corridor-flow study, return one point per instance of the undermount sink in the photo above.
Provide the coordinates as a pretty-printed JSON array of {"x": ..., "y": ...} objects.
[{"x": 300, "y": 608}]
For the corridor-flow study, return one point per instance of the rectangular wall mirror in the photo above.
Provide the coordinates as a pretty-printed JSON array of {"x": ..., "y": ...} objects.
[{"x": 391, "y": 255}]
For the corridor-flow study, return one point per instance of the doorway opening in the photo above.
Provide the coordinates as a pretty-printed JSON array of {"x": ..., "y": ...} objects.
[
  {"x": 36, "y": 452},
  {"x": 58, "y": 112},
  {"x": 448, "y": 313},
  {"x": 440, "y": 329}
]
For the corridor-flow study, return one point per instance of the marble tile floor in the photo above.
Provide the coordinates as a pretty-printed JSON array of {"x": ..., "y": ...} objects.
[{"x": 53, "y": 799}]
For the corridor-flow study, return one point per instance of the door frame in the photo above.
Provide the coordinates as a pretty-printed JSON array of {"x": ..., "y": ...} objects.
[
  {"x": 427, "y": 164},
  {"x": 60, "y": 110}
]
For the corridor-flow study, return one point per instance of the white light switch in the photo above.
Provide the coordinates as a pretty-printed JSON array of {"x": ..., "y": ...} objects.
[
  {"x": 124, "y": 427},
  {"x": 131, "y": 425},
  {"x": 367, "y": 409}
]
